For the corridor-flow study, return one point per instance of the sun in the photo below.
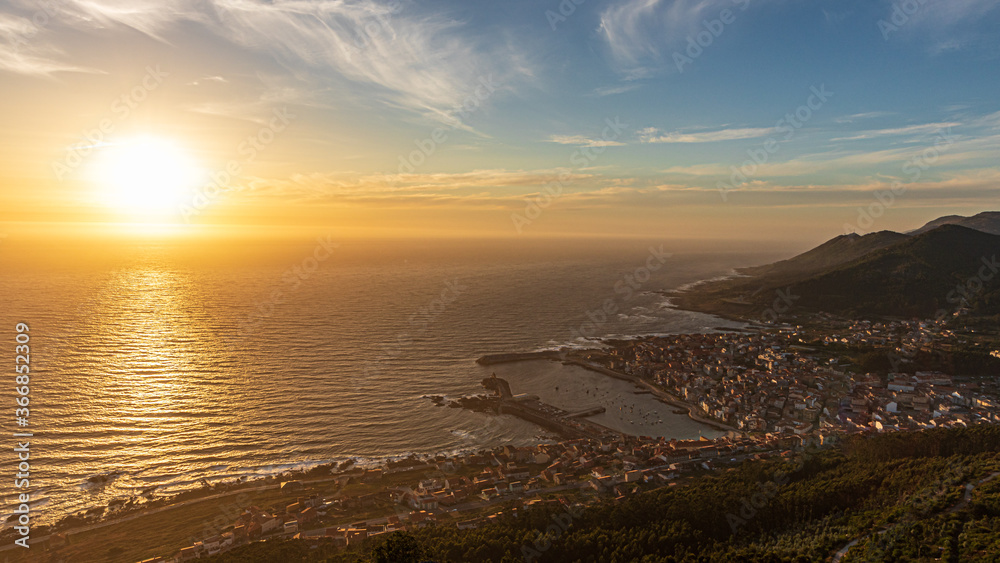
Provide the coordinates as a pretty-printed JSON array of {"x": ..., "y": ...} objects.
[{"x": 145, "y": 176}]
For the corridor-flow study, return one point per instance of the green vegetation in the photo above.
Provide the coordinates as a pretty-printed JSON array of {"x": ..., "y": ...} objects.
[
  {"x": 901, "y": 495},
  {"x": 883, "y": 274},
  {"x": 968, "y": 361},
  {"x": 925, "y": 276}
]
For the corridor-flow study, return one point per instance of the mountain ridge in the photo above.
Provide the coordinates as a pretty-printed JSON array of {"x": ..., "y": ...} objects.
[
  {"x": 987, "y": 221},
  {"x": 933, "y": 272}
]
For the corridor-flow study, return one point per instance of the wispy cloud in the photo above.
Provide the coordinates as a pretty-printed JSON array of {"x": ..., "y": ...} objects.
[
  {"x": 208, "y": 79},
  {"x": 348, "y": 186},
  {"x": 255, "y": 101},
  {"x": 654, "y": 135},
  {"x": 583, "y": 141},
  {"x": 861, "y": 116},
  {"x": 945, "y": 14},
  {"x": 991, "y": 121},
  {"x": 506, "y": 189},
  {"x": 639, "y": 33},
  {"x": 417, "y": 60},
  {"x": 962, "y": 150},
  {"x": 23, "y": 52},
  {"x": 614, "y": 90},
  {"x": 920, "y": 130},
  {"x": 947, "y": 26}
]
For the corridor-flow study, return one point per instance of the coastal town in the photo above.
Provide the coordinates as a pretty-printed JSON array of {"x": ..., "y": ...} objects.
[
  {"x": 769, "y": 382},
  {"x": 780, "y": 389}
]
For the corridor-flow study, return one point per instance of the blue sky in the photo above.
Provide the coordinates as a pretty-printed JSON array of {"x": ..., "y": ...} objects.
[{"x": 370, "y": 82}]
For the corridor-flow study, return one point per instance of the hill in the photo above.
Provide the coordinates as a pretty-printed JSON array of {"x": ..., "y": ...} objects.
[
  {"x": 900, "y": 496},
  {"x": 884, "y": 274},
  {"x": 987, "y": 222},
  {"x": 928, "y": 275},
  {"x": 830, "y": 254}
]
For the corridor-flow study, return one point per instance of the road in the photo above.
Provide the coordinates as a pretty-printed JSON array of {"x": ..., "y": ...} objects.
[
  {"x": 467, "y": 506},
  {"x": 142, "y": 513},
  {"x": 966, "y": 497}
]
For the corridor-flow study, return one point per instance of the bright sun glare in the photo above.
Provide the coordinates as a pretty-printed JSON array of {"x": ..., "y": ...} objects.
[{"x": 145, "y": 176}]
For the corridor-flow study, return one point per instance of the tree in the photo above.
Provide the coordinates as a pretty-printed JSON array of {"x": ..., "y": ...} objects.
[{"x": 399, "y": 547}]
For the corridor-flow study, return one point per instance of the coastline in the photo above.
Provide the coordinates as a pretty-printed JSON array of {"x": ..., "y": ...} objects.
[
  {"x": 712, "y": 296},
  {"x": 227, "y": 484}
]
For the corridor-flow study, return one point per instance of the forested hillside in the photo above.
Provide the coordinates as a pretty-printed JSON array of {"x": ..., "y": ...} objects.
[{"x": 901, "y": 495}]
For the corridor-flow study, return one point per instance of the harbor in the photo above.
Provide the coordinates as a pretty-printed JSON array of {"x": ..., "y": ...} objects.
[
  {"x": 590, "y": 360},
  {"x": 566, "y": 424}
]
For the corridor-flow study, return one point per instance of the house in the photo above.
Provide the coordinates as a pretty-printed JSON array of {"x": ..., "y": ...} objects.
[
  {"x": 356, "y": 535},
  {"x": 490, "y": 493},
  {"x": 423, "y": 502},
  {"x": 308, "y": 515},
  {"x": 213, "y": 545},
  {"x": 901, "y": 385},
  {"x": 291, "y": 526},
  {"x": 417, "y": 517},
  {"x": 469, "y": 524},
  {"x": 268, "y": 524}
]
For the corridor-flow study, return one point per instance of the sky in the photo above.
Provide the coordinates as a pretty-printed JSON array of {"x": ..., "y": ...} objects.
[{"x": 711, "y": 119}]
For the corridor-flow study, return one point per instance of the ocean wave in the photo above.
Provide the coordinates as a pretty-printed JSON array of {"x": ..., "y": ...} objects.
[
  {"x": 100, "y": 480},
  {"x": 689, "y": 286},
  {"x": 637, "y": 318}
]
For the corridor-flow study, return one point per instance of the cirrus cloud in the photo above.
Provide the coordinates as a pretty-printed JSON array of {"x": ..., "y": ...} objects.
[{"x": 654, "y": 135}]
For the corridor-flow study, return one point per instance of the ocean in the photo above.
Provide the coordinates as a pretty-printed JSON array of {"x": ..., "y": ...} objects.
[{"x": 159, "y": 364}]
